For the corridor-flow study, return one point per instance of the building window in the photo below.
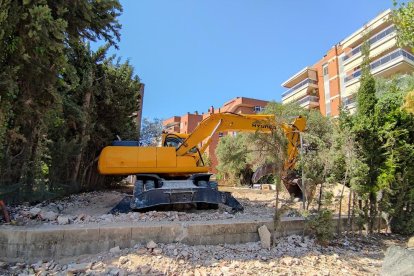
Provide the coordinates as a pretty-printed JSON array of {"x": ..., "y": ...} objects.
[
  {"x": 258, "y": 108},
  {"x": 325, "y": 70}
]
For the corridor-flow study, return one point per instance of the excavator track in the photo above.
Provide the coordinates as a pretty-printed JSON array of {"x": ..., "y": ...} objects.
[{"x": 153, "y": 192}]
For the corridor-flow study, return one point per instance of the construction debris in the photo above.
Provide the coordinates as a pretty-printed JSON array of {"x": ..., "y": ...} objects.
[
  {"x": 265, "y": 237},
  {"x": 293, "y": 255}
]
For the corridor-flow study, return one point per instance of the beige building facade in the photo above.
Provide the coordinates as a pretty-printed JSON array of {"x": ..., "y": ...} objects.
[{"x": 334, "y": 80}]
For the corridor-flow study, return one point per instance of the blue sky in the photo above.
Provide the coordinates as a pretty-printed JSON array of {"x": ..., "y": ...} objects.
[{"x": 192, "y": 54}]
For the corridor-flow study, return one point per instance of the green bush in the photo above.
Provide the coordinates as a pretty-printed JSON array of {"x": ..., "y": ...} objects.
[{"x": 320, "y": 225}]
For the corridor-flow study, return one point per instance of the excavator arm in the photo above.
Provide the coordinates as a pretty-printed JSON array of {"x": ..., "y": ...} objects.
[{"x": 220, "y": 122}]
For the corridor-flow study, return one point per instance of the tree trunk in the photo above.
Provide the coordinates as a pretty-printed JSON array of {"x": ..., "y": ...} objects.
[
  {"x": 82, "y": 140},
  {"x": 348, "y": 221},
  {"x": 372, "y": 212},
  {"x": 320, "y": 198},
  {"x": 340, "y": 202},
  {"x": 360, "y": 208},
  {"x": 276, "y": 217},
  {"x": 353, "y": 211}
]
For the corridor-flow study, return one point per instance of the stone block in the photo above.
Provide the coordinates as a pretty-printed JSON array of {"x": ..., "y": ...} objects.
[
  {"x": 265, "y": 237},
  {"x": 115, "y": 236},
  {"x": 76, "y": 235},
  {"x": 398, "y": 261},
  {"x": 44, "y": 236},
  {"x": 234, "y": 238},
  {"x": 142, "y": 234},
  {"x": 13, "y": 237},
  {"x": 37, "y": 251}
]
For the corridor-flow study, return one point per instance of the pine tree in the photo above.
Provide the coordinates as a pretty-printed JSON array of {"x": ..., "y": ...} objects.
[{"x": 367, "y": 137}]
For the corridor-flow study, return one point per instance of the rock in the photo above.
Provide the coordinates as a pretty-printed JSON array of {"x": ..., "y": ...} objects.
[
  {"x": 97, "y": 265},
  {"x": 3, "y": 265},
  {"x": 52, "y": 207},
  {"x": 145, "y": 269},
  {"x": 115, "y": 249},
  {"x": 184, "y": 253},
  {"x": 76, "y": 268},
  {"x": 157, "y": 251},
  {"x": 264, "y": 237},
  {"x": 287, "y": 261},
  {"x": 62, "y": 220},
  {"x": 123, "y": 260},
  {"x": 50, "y": 215},
  {"x": 151, "y": 245},
  {"x": 34, "y": 211},
  {"x": 410, "y": 243},
  {"x": 398, "y": 261},
  {"x": 141, "y": 251},
  {"x": 114, "y": 272},
  {"x": 81, "y": 217}
]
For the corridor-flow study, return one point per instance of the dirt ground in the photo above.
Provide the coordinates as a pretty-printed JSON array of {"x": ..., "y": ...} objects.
[
  {"x": 94, "y": 207},
  {"x": 292, "y": 255}
]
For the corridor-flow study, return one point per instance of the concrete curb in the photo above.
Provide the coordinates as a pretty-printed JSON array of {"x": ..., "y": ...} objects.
[{"x": 30, "y": 244}]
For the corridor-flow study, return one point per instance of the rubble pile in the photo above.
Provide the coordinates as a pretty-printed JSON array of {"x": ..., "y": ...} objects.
[
  {"x": 292, "y": 255},
  {"x": 94, "y": 207}
]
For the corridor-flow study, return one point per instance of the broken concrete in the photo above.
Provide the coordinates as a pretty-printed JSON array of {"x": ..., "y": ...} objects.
[
  {"x": 31, "y": 243},
  {"x": 265, "y": 237},
  {"x": 398, "y": 261}
]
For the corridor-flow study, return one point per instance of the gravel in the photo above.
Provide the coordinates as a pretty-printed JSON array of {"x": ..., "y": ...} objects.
[
  {"x": 94, "y": 208},
  {"x": 292, "y": 255}
]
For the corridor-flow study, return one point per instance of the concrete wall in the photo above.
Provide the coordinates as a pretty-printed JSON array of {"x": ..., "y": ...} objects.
[{"x": 30, "y": 244}]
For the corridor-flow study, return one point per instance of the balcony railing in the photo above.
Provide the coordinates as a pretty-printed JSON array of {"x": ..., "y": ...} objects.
[
  {"x": 371, "y": 41},
  {"x": 349, "y": 100},
  {"x": 313, "y": 99},
  {"x": 388, "y": 58},
  {"x": 299, "y": 85}
]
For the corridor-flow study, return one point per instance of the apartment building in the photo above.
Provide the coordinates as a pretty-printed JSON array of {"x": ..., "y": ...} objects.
[
  {"x": 335, "y": 79},
  {"x": 188, "y": 122}
]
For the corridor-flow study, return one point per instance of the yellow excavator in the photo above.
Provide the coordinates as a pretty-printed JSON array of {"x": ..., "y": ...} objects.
[{"x": 174, "y": 173}]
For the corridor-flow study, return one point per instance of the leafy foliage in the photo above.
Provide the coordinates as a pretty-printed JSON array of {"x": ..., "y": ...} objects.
[
  {"x": 150, "y": 134},
  {"x": 321, "y": 226},
  {"x": 403, "y": 17},
  {"x": 232, "y": 154},
  {"x": 60, "y": 102}
]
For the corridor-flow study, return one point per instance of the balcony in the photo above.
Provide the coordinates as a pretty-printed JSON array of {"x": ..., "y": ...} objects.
[
  {"x": 378, "y": 37},
  {"x": 299, "y": 90},
  {"x": 349, "y": 102},
  {"x": 389, "y": 61},
  {"x": 309, "y": 102},
  {"x": 377, "y": 24}
]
